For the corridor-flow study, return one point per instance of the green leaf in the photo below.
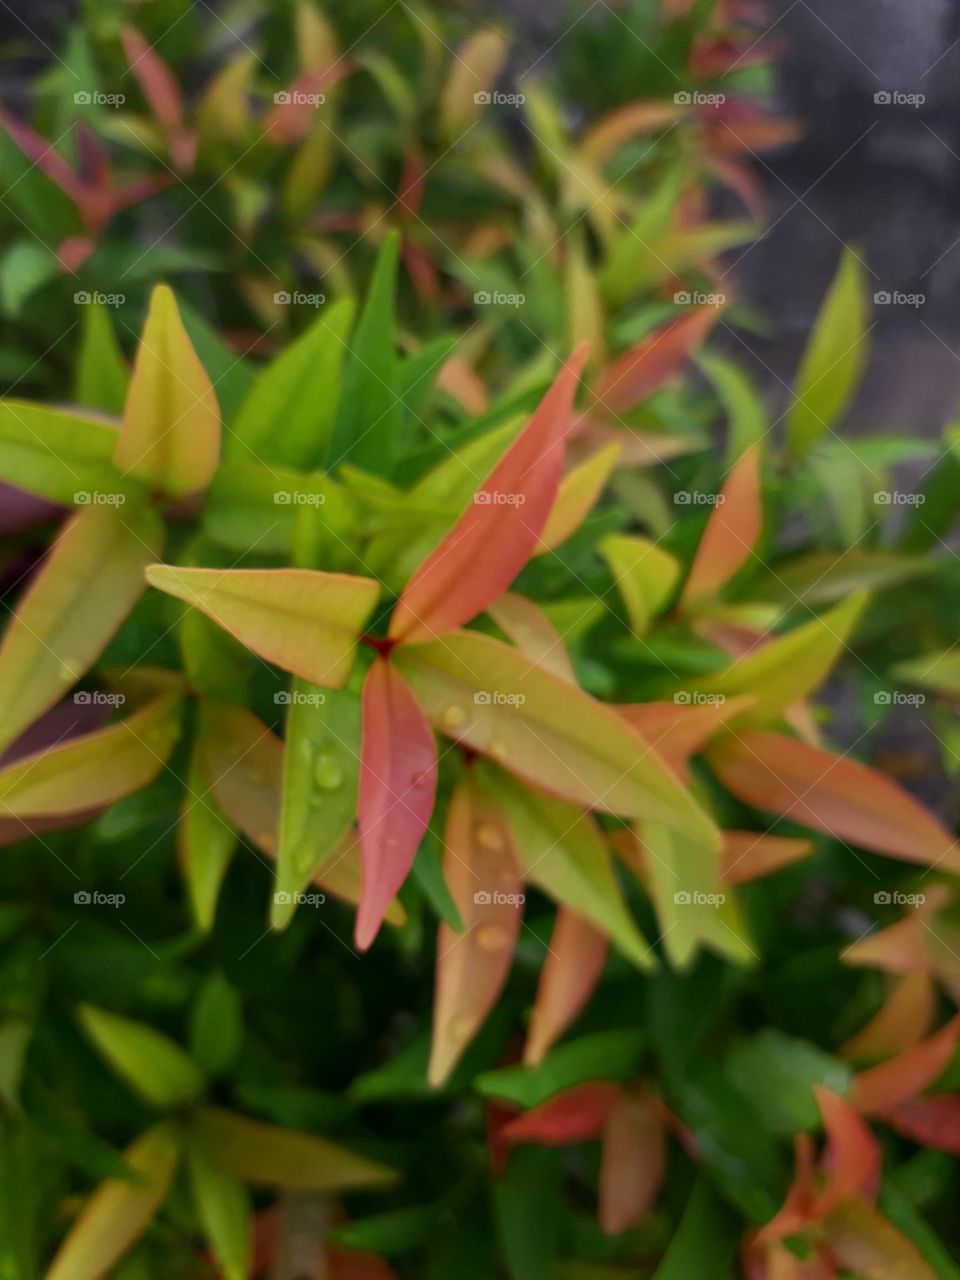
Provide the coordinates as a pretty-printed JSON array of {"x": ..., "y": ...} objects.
[
  {"x": 369, "y": 412},
  {"x": 528, "y": 1204},
  {"x": 389, "y": 1234},
  {"x": 834, "y": 359},
  {"x": 321, "y": 766},
  {"x": 89, "y": 582},
  {"x": 101, "y": 376},
  {"x": 151, "y": 1064},
  {"x": 216, "y": 1025},
  {"x": 26, "y": 267},
  {"x": 777, "y": 1072},
  {"x": 746, "y": 415},
  {"x": 824, "y": 577},
  {"x": 561, "y": 849},
  {"x": 230, "y": 374},
  {"x": 253, "y": 508},
  {"x": 223, "y": 1206},
  {"x": 645, "y": 576},
  {"x": 15, "y": 1034},
  {"x": 705, "y": 1243},
  {"x": 939, "y": 672},
  {"x": 59, "y": 456},
  {"x": 119, "y": 1212},
  {"x": 271, "y": 1156},
  {"x": 206, "y": 843},
  {"x": 607, "y": 1055},
  {"x": 289, "y": 411}
]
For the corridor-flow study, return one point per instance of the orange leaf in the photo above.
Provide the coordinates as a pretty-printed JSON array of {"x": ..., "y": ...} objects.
[
  {"x": 852, "y": 1158},
  {"x": 901, "y": 1023},
  {"x": 575, "y": 959},
  {"x": 481, "y": 872},
  {"x": 633, "y": 1162},
  {"x": 678, "y": 730},
  {"x": 748, "y": 855},
  {"x": 932, "y": 1122},
  {"x": 731, "y": 533},
  {"x": 576, "y": 1115},
  {"x": 625, "y": 123},
  {"x": 878, "y": 1089},
  {"x": 162, "y": 92},
  {"x": 492, "y": 541},
  {"x": 656, "y": 360},
  {"x": 831, "y": 793},
  {"x": 398, "y": 783}
]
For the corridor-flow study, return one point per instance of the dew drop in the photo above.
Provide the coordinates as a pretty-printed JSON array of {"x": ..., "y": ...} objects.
[
  {"x": 460, "y": 1029},
  {"x": 453, "y": 717},
  {"x": 489, "y": 836},
  {"x": 498, "y": 750},
  {"x": 304, "y": 857},
  {"x": 492, "y": 937},
  {"x": 327, "y": 773}
]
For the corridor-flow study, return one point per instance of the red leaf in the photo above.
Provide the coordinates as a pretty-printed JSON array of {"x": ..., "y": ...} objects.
[
  {"x": 748, "y": 855},
  {"x": 852, "y": 1159},
  {"x": 571, "y": 971},
  {"x": 576, "y": 1115},
  {"x": 155, "y": 78},
  {"x": 676, "y": 730},
  {"x": 731, "y": 532},
  {"x": 398, "y": 782},
  {"x": 492, "y": 541},
  {"x": 878, "y": 1089},
  {"x": 653, "y": 362},
  {"x": 634, "y": 1157},
  {"x": 932, "y": 1122}
]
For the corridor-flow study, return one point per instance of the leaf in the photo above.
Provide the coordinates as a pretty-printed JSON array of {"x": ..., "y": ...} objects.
[
  {"x": 901, "y": 1022},
  {"x": 633, "y": 1162},
  {"x": 267, "y": 1155},
  {"x": 58, "y": 455},
  {"x": 830, "y": 793},
  {"x": 693, "y": 908},
  {"x": 705, "y": 1242},
  {"x": 171, "y": 421},
  {"x": 605, "y": 1055},
  {"x": 230, "y": 374},
  {"x": 476, "y": 66},
  {"x": 481, "y": 872},
  {"x": 89, "y": 581},
  {"x": 932, "y": 1122},
  {"x": 880, "y": 1088},
  {"x": 778, "y": 1073},
  {"x": 784, "y": 670},
  {"x": 731, "y": 533},
  {"x": 206, "y": 843},
  {"x": 678, "y": 730},
  {"x": 827, "y": 576},
  {"x": 577, "y": 1115},
  {"x": 747, "y": 422},
  {"x": 562, "y": 850},
  {"x": 528, "y": 1206},
  {"x": 119, "y": 1211},
  {"x": 93, "y": 769},
  {"x": 216, "y": 1025},
  {"x": 289, "y": 411},
  {"x": 556, "y": 737},
  {"x": 579, "y": 492},
  {"x": 576, "y": 955},
  {"x": 658, "y": 359},
  {"x": 645, "y": 576},
  {"x": 834, "y": 359},
  {"x": 525, "y": 623},
  {"x": 305, "y": 621},
  {"x": 487, "y": 548},
  {"x": 398, "y": 782},
  {"x": 939, "y": 672},
  {"x": 321, "y": 765},
  {"x": 369, "y": 411},
  {"x": 750, "y": 855},
  {"x": 862, "y": 1240},
  {"x": 149, "y": 1062},
  {"x": 223, "y": 1207},
  {"x": 101, "y": 376}
]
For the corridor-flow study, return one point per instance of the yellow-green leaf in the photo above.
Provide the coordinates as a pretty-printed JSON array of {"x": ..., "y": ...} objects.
[
  {"x": 89, "y": 582},
  {"x": 65, "y": 457},
  {"x": 170, "y": 437},
  {"x": 834, "y": 359},
  {"x": 223, "y": 1206},
  {"x": 151, "y": 1064},
  {"x": 645, "y": 575},
  {"x": 579, "y": 491},
  {"x": 477, "y": 64},
  {"x": 271, "y": 1156},
  {"x": 937, "y": 671},
  {"x": 305, "y": 621},
  {"x": 101, "y": 375},
  {"x": 206, "y": 842},
  {"x": 119, "y": 1211}
]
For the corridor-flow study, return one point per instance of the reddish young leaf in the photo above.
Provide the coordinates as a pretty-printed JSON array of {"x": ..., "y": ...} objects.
[
  {"x": 653, "y": 362},
  {"x": 576, "y": 1115},
  {"x": 678, "y": 730},
  {"x": 878, "y": 1089},
  {"x": 833, "y": 794},
  {"x": 162, "y": 92},
  {"x": 575, "y": 959},
  {"x": 931, "y": 1122},
  {"x": 852, "y": 1158},
  {"x": 633, "y": 1162},
  {"x": 748, "y": 855},
  {"x": 41, "y": 153},
  {"x": 398, "y": 783},
  {"x": 901, "y": 1023},
  {"x": 493, "y": 540},
  {"x": 731, "y": 533},
  {"x": 481, "y": 872}
]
